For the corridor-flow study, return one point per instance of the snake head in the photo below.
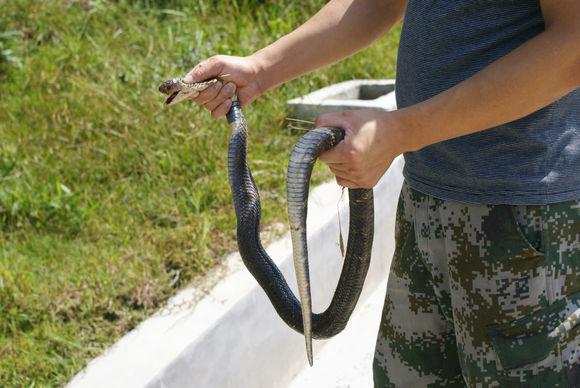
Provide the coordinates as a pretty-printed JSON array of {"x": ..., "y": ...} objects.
[
  {"x": 179, "y": 90},
  {"x": 173, "y": 88}
]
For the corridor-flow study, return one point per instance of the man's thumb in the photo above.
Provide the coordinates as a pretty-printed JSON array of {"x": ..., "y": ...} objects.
[{"x": 209, "y": 68}]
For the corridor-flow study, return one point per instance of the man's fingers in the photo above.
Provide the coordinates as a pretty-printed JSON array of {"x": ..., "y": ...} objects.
[
  {"x": 335, "y": 120},
  {"x": 225, "y": 93},
  {"x": 346, "y": 183},
  {"x": 338, "y": 154},
  {"x": 329, "y": 120},
  {"x": 339, "y": 169},
  {"x": 334, "y": 155},
  {"x": 208, "y": 94},
  {"x": 209, "y": 68},
  {"x": 222, "y": 109},
  {"x": 347, "y": 175}
]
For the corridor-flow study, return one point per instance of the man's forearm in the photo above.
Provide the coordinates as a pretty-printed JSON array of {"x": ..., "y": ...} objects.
[
  {"x": 338, "y": 30},
  {"x": 534, "y": 75}
]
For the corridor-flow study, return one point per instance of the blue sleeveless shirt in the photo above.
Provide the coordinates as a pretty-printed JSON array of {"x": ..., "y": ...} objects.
[{"x": 534, "y": 160}]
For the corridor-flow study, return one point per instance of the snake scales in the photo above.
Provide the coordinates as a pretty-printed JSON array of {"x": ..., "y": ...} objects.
[{"x": 297, "y": 315}]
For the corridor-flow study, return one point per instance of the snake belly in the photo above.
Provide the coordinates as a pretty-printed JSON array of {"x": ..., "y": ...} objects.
[{"x": 247, "y": 206}]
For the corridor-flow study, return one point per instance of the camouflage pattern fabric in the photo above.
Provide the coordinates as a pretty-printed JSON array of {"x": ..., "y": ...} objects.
[{"x": 481, "y": 296}]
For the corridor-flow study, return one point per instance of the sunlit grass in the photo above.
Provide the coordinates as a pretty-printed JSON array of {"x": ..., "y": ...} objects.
[{"x": 108, "y": 202}]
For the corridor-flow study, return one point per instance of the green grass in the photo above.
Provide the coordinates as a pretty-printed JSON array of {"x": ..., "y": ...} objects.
[{"x": 108, "y": 202}]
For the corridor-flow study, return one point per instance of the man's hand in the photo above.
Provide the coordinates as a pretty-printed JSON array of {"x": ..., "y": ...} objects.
[
  {"x": 368, "y": 149},
  {"x": 240, "y": 75}
]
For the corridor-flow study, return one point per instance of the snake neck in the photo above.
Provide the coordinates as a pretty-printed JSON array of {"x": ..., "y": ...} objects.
[{"x": 234, "y": 115}]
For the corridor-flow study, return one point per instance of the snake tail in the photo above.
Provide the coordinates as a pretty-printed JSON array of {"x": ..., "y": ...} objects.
[{"x": 247, "y": 205}]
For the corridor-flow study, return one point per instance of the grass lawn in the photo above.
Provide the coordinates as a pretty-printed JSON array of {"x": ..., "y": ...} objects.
[{"x": 108, "y": 202}]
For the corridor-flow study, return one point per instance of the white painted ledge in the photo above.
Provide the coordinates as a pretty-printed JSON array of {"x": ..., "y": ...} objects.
[
  {"x": 354, "y": 94},
  {"x": 233, "y": 337}
]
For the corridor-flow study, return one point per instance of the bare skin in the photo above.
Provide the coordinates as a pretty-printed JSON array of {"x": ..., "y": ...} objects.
[{"x": 534, "y": 75}]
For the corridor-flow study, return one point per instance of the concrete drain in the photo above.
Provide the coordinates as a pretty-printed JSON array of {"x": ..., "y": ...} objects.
[{"x": 355, "y": 94}]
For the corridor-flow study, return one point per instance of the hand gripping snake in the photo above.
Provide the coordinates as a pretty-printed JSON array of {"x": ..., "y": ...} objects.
[{"x": 297, "y": 315}]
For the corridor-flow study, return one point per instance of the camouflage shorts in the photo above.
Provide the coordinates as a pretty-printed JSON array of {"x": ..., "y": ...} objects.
[{"x": 481, "y": 296}]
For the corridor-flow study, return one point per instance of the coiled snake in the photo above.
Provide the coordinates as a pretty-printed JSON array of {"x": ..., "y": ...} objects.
[{"x": 297, "y": 315}]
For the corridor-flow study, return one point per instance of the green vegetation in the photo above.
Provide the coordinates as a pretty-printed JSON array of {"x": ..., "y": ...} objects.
[{"x": 108, "y": 202}]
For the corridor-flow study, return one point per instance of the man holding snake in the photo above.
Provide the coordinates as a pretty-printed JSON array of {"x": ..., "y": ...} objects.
[{"x": 484, "y": 287}]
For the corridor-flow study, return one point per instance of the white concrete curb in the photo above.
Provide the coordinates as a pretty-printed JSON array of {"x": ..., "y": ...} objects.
[
  {"x": 233, "y": 337},
  {"x": 354, "y": 94}
]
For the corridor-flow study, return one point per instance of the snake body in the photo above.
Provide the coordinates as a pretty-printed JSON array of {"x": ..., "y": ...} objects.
[{"x": 246, "y": 199}]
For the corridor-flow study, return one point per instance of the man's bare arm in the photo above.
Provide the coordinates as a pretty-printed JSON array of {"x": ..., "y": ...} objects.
[{"x": 338, "y": 30}]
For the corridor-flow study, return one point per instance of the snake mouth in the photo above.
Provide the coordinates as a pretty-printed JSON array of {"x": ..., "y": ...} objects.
[{"x": 171, "y": 98}]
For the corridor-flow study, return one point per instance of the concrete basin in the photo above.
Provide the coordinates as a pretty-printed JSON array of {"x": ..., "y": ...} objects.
[{"x": 355, "y": 94}]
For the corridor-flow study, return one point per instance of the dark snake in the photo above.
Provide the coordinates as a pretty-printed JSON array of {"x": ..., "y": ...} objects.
[{"x": 246, "y": 198}]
